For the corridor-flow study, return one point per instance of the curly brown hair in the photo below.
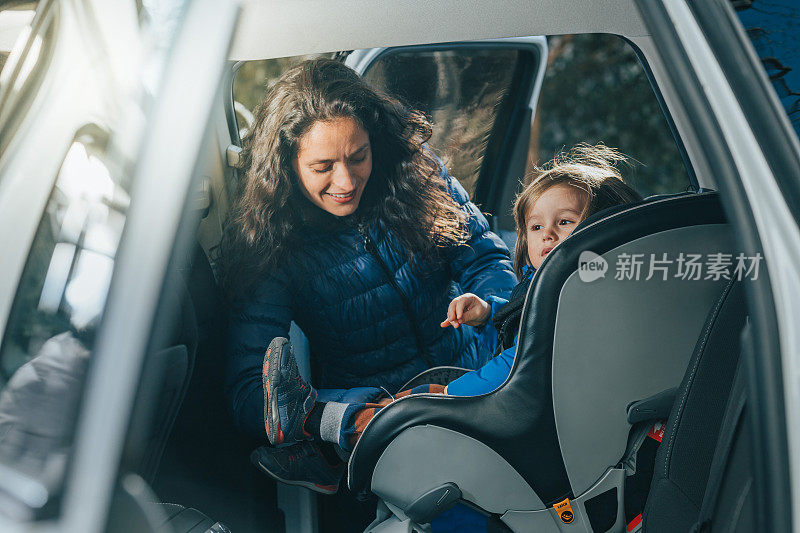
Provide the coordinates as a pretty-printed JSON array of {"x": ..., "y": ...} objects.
[
  {"x": 592, "y": 169},
  {"x": 405, "y": 191}
]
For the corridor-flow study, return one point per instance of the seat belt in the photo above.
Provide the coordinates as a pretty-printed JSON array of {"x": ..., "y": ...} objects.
[{"x": 728, "y": 432}]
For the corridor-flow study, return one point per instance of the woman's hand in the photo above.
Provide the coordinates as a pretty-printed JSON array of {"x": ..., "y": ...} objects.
[{"x": 467, "y": 309}]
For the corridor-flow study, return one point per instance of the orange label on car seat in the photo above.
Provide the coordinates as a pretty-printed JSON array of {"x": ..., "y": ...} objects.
[{"x": 564, "y": 510}]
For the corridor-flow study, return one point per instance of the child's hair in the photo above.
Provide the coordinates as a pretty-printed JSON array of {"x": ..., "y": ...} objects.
[{"x": 591, "y": 169}]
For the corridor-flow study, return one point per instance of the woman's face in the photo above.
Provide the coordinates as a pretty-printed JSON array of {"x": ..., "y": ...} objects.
[{"x": 333, "y": 163}]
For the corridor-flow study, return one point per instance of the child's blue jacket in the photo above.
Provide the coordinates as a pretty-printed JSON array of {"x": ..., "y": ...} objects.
[{"x": 491, "y": 375}]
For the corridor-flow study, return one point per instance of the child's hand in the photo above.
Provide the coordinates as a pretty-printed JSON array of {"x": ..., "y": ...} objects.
[{"x": 467, "y": 309}]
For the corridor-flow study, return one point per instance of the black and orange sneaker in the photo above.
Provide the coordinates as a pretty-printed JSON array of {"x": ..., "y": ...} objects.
[
  {"x": 301, "y": 464},
  {"x": 288, "y": 399}
]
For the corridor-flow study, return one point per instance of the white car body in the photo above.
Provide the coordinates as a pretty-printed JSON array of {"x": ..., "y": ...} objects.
[{"x": 165, "y": 114}]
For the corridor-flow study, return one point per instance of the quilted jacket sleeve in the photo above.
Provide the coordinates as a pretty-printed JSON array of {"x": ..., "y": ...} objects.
[
  {"x": 483, "y": 265},
  {"x": 263, "y": 314}
]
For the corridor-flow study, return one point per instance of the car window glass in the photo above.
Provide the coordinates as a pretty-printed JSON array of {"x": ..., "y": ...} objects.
[
  {"x": 58, "y": 305},
  {"x": 773, "y": 27},
  {"x": 596, "y": 90},
  {"x": 460, "y": 90}
]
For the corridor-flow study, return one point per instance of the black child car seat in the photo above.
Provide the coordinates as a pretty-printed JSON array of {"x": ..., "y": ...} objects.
[{"x": 593, "y": 339}]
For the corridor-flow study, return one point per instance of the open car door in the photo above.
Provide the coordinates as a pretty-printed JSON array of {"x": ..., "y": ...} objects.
[{"x": 92, "y": 99}]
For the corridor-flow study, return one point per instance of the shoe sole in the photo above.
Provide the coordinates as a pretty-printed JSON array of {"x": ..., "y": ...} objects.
[
  {"x": 322, "y": 489},
  {"x": 273, "y": 371}
]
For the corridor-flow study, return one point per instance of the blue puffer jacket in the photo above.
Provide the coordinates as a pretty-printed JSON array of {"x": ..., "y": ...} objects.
[{"x": 369, "y": 319}]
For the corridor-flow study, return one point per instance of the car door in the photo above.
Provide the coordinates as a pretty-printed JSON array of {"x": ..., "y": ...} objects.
[
  {"x": 92, "y": 189},
  {"x": 747, "y": 138}
]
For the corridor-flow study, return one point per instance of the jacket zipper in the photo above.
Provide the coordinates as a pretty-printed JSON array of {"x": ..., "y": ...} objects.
[{"x": 369, "y": 244}]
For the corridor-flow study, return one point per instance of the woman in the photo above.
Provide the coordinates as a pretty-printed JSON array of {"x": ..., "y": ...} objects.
[{"x": 347, "y": 224}]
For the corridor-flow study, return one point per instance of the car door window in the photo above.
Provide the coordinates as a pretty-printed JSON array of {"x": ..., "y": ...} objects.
[
  {"x": 57, "y": 307},
  {"x": 461, "y": 90},
  {"x": 596, "y": 90},
  {"x": 251, "y": 81}
]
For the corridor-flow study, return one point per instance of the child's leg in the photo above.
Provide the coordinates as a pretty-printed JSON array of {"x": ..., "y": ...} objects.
[
  {"x": 343, "y": 423},
  {"x": 431, "y": 388}
]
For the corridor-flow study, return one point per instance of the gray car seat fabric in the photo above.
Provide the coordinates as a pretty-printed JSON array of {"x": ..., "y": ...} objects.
[
  {"x": 165, "y": 378},
  {"x": 523, "y": 421},
  {"x": 206, "y": 461},
  {"x": 684, "y": 458},
  {"x": 621, "y": 340},
  {"x": 729, "y": 503}
]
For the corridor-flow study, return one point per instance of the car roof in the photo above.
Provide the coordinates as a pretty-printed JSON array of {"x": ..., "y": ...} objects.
[{"x": 282, "y": 28}]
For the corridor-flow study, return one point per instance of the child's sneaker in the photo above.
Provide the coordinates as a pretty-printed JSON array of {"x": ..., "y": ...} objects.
[
  {"x": 300, "y": 464},
  {"x": 288, "y": 399}
]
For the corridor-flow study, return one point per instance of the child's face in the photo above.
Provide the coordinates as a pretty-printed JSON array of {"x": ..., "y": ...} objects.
[{"x": 551, "y": 219}]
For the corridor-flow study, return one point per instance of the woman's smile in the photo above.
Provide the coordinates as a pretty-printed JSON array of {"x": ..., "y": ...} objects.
[{"x": 342, "y": 197}]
